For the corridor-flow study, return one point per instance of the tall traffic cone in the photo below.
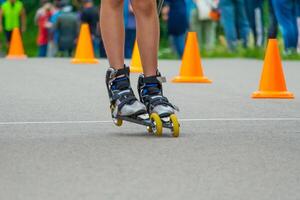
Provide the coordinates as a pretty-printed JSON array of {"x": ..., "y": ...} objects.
[
  {"x": 84, "y": 51},
  {"x": 191, "y": 69},
  {"x": 16, "y": 49},
  {"x": 136, "y": 63},
  {"x": 272, "y": 83}
]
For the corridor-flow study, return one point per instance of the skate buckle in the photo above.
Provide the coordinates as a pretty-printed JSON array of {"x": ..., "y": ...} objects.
[
  {"x": 162, "y": 79},
  {"x": 113, "y": 74}
]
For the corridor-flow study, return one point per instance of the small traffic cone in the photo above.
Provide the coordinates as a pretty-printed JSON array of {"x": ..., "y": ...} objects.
[
  {"x": 16, "y": 49},
  {"x": 272, "y": 83},
  {"x": 84, "y": 51},
  {"x": 136, "y": 63},
  {"x": 191, "y": 69}
]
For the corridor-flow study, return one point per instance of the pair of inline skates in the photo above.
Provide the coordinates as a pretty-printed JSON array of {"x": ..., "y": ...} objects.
[{"x": 152, "y": 110}]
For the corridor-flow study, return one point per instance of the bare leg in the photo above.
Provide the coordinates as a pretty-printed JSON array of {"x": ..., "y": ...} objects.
[
  {"x": 112, "y": 30},
  {"x": 147, "y": 33}
]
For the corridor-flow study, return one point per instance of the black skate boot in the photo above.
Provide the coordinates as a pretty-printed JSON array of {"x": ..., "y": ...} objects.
[
  {"x": 151, "y": 94},
  {"x": 161, "y": 111},
  {"x": 122, "y": 99}
]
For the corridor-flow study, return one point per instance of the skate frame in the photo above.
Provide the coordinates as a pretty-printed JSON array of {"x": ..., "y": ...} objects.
[{"x": 145, "y": 122}]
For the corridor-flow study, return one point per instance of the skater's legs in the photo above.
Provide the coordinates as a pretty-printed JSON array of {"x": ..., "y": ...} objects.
[
  {"x": 112, "y": 30},
  {"x": 147, "y": 34}
]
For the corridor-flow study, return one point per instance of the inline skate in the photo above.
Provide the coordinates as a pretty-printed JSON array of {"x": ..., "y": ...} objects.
[{"x": 161, "y": 111}]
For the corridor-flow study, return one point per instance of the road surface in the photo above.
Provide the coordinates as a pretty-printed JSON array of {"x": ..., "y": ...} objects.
[{"x": 57, "y": 140}]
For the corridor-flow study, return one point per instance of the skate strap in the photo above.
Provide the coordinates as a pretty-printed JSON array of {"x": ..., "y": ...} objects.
[
  {"x": 125, "y": 97},
  {"x": 124, "y": 71},
  {"x": 153, "y": 86},
  {"x": 120, "y": 72},
  {"x": 121, "y": 83},
  {"x": 159, "y": 100},
  {"x": 151, "y": 89},
  {"x": 122, "y": 95},
  {"x": 154, "y": 79},
  {"x": 126, "y": 101}
]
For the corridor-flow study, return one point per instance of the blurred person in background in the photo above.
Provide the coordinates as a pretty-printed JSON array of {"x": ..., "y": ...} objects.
[
  {"x": 14, "y": 16},
  {"x": 40, "y": 10},
  {"x": 2, "y": 1},
  {"x": 130, "y": 28},
  {"x": 254, "y": 11},
  {"x": 203, "y": 22},
  {"x": 77, "y": 4},
  {"x": 273, "y": 24},
  {"x": 43, "y": 26},
  {"x": 235, "y": 23},
  {"x": 286, "y": 14},
  {"x": 175, "y": 13},
  {"x": 67, "y": 26},
  {"x": 298, "y": 22},
  {"x": 53, "y": 34},
  {"x": 190, "y": 6},
  {"x": 1, "y": 53},
  {"x": 90, "y": 16}
]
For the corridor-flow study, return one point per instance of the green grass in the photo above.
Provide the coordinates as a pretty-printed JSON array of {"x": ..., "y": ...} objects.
[
  {"x": 165, "y": 51},
  {"x": 30, "y": 36},
  {"x": 221, "y": 51}
]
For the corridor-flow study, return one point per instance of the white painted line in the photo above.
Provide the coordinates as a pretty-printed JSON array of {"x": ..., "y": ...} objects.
[
  {"x": 181, "y": 120},
  {"x": 55, "y": 122},
  {"x": 241, "y": 119}
]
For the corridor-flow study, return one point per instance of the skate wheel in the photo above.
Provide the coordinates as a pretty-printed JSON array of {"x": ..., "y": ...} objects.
[
  {"x": 158, "y": 126},
  {"x": 118, "y": 122},
  {"x": 175, "y": 125}
]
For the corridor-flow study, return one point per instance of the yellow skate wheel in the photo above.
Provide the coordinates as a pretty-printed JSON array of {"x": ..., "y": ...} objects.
[
  {"x": 118, "y": 122},
  {"x": 158, "y": 126},
  {"x": 175, "y": 125}
]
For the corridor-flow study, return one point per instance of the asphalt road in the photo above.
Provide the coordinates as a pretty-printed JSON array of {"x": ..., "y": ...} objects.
[{"x": 57, "y": 141}]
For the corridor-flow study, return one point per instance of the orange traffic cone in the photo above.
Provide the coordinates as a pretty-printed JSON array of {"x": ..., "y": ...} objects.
[
  {"x": 136, "y": 63},
  {"x": 84, "y": 51},
  {"x": 191, "y": 69},
  {"x": 272, "y": 83},
  {"x": 16, "y": 49}
]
